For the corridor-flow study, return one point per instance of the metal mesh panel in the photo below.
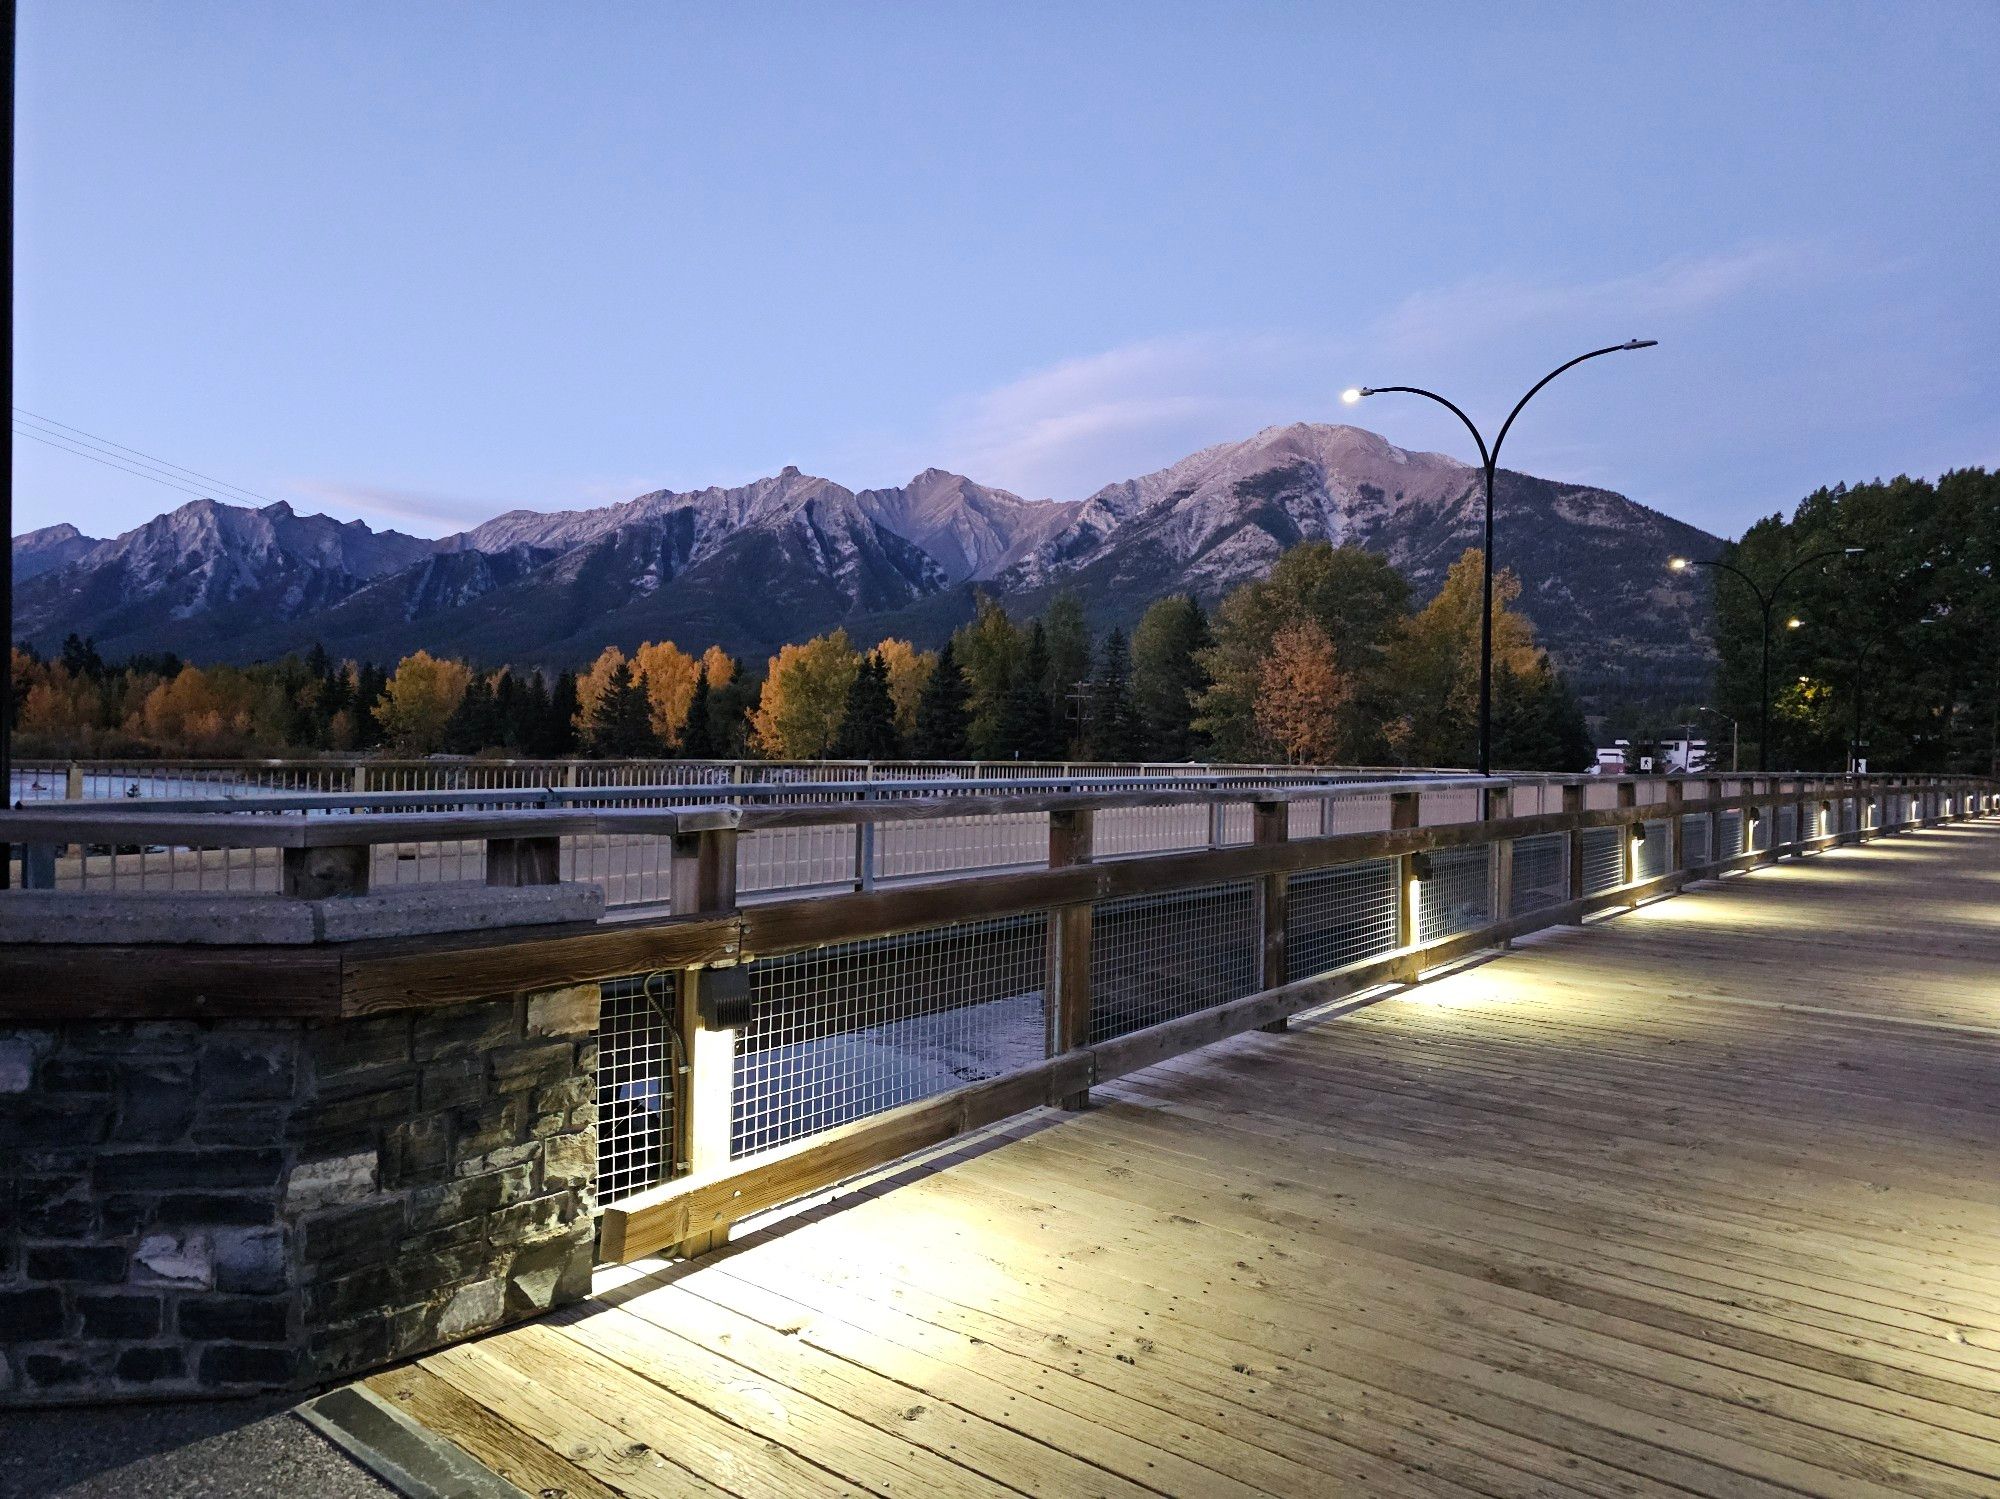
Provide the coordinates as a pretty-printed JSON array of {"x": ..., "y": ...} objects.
[
  {"x": 638, "y": 1084},
  {"x": 1458, "y": 896},
  {"x": 857, "y": 1027},
  {"x": 1850, "y": 815},
  {"x": 1455, "y": 804},
  {"x": 1357, "y": 814},
  {"x": 1651, "y": 853},
  {"x": 1729, "y": 831},
  {"x": 1694, "y": 840},
  {"x": 1757, "y": 832},
  {"x": 1338, "y": 916},
  {"x": 1603, "y": 861},
  {"x": 1788, "y": 823},
  {"x": 1157, "y": 957},
  {"x": 1540, "y": 874}
]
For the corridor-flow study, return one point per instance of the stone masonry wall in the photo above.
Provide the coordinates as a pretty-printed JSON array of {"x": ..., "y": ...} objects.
[{"x": 227, "y": 1206}]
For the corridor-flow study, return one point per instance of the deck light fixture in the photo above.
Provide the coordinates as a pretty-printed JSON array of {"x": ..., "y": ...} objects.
[{"x": 1489, "y": 459}]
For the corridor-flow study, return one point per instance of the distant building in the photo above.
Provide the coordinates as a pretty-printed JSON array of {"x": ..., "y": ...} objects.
[{"x": 1665, "y": 757}]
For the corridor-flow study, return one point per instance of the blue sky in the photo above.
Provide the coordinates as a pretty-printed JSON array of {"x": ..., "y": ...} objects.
[{"x": 424, "y": 262}]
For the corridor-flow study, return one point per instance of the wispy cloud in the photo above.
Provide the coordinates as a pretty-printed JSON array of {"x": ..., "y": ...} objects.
[
  {"x": 424, "y": 509},
  {"x": 1072, "y": 426}
]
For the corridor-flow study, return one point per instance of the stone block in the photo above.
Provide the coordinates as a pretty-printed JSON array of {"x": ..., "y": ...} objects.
[
  {"x": 470, "y": 1030},
  {"x": 526, "y": 1153},
  {"x": 469, "y": 1197},
  {"x": 247, "y": 1068},
  {"x": 142, "y": 1366},
  {"x": 569, "y": 1160},
  {"x": 250, "y": 1260},
  {"x": 359, "y": 1113},
  {"x": 185, "y": 1261},
  {"x": 155, "y": 1099},
  {"x": 125, "y": 1318},
  {"x": 488, "y": 1126},
  {"x": 552, "y": 1271},
  {"x": 525, "y": 1068},
  {"x": 451, "y": 1083},
  {"x": 205, "y": 1209},
  {"x": 74, "y": 1075},
  {"x": 344, "y": 1047},
  {"x": 33, "y": 1315},
  {"x": 82, "y": 1264},
  {"x": 55, "y": 1208},
  {"x": 475, "y": 1307},
  {"x": 234, "y": 1364},
  {"x": 32, "y": 1120},
  {"x": 173, "y": 1170},
  {"x": 564, "y": 1012},
  {"x": 531, "y": 1219},
  {"x": 560, "y": 1097},
  {"x": 17, "y": 1064},
  {"x": 239, "y": 1124},
  {"x": 416, "y": 1151},
  {"x": 235, "y": 1319},
  {"x": 344, "y": 1239},
  {"x": 53, "y": 1371},
  {"x": 332, "y": 1180}
]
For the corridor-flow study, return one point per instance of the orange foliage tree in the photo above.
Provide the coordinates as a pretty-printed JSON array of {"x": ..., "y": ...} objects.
[{"x": 1301, "y": 692}]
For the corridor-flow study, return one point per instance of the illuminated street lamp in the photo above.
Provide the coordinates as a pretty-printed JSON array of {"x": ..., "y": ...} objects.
[
  {"x": 1489, "y": 459},
  {"x": 1766, "y": 602}
]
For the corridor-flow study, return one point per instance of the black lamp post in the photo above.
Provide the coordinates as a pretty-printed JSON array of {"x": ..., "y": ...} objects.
[
  {"x": 1489, "y": 460},
  {"x": 1766, "y": 602}
]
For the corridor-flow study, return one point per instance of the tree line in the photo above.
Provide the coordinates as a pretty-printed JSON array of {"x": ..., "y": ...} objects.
[
  {"x": 1323, "y": 660},
  {"x": 1894, "y": 647}
]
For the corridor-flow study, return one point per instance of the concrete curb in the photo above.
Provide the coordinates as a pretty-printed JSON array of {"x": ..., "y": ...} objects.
[{"x": 410, "y": 1458}]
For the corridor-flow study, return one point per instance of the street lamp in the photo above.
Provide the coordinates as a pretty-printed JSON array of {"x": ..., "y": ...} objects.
[
  {"x": 1734, "y": 735},
  {"x": 1766, "y": 602},
  {"x": 1489, "y": 459}
]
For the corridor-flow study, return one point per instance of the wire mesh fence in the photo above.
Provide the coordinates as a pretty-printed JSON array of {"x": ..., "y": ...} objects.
[
  {"x": 1458, "y": 894},
  {"x": 851, "y": 1029},
  {"x": 639, "y": 1069},
  {"x": 1788, "y": 823},
  {"x": 1157, "y": 957},
  {"x": 1694, "y": 839},
  {"x": 1729, "y": 834},
  {"x": 1540, "y": 873},
  {"x": 1338, "y": 916},
  {"x": 1652, "y": 851},
  {"x": 1603, "y": 859}
]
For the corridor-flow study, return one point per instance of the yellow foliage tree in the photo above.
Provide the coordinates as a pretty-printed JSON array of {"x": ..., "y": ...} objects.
[
  {"x": 665, "y": 673},
  {"x": 591, "y": 684},
  {"x": 419, "y": 701},
  {"x": 909, "y": 670},
  {"x": 1435, "y": 661},
  {"x": 805, "y": 697},
  {"x": 1301, "y": 692}
]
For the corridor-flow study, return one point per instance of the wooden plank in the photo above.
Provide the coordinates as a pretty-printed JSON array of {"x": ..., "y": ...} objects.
[
  {"x": 520, "y": 1459},
  {"x": 88, "y": 982}
]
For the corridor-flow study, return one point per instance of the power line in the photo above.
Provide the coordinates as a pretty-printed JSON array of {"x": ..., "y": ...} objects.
[
  {"x": 73, "y": 434},
  {"x": 21, "y": 431}
]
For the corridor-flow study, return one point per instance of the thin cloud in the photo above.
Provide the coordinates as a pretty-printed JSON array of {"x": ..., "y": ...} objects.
[{"x": 424, "y": 509}]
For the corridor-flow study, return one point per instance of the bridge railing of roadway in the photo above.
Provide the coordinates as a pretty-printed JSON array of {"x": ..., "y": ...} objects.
[{"x": 779, "y": 1013}]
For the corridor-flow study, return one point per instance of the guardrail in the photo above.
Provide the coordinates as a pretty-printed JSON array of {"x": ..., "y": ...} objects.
[{"x": 236, "y": 843}]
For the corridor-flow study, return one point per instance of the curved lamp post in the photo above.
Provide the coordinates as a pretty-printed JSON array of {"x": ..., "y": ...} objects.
[
  {"x": 1489, "y": 460},
  {"x": 1766, "y": 602}
]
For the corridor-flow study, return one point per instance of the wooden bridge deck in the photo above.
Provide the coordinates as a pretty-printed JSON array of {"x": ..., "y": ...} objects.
[{"x": 1705, "y": 1199}]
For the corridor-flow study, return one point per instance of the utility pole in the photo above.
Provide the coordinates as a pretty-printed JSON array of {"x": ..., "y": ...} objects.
[{"x": 7, "y": 442}]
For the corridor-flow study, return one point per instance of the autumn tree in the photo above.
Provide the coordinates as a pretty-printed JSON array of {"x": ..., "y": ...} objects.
[
  {"x": 590, "y": 686},
  {"x": 418, "y": 701},
  {"x": 805, "y": 697},
  {"x": 909, "y": 670},
  {"x": 1435, "y": 662},
  {"x": 1301, "y": 693},
  {"x": 667, "y": 673},
  {"x": 1356, "y": 598}
]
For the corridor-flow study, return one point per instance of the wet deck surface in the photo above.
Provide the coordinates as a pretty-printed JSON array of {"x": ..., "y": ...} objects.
[{"x": 1704, "y": 1199}]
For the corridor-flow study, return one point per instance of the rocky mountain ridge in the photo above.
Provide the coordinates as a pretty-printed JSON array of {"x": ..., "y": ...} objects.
[{"x": 793, "y": 554}]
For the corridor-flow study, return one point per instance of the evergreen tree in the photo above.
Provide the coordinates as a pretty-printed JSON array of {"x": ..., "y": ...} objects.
[
  {"x": 1069, "y": 663},
  {"x": 372, "y": 680},
  {"x": 621, "y": 727},
  {"x": 941, "y": 711},
  {"x": 558, "y": 731},
  {"x": 868, "y": 726},
  {"x": 1537, "y": 724},
  {"x": 697, "y": 733},
  {"x": 473, "y": 725},
  {"x": 730, "y": 707},
  {"x": 1168, "y": 677},
  {"x": 1112, "y": 730},
  {"x": 1026, "y": 728}
]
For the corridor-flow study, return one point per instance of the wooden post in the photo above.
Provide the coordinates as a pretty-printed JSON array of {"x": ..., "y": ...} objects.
[
  {"x": 1628, "y": 863},
  {"x": 1272, "y": 823},
  {"x": 1573, "y": 883},
  {"x": 1068, "y": 997},
  {"x": 702, "y": 879},
  {"x": 523, "y": 861},
  {"x": 1403, "y": 810},
  {"x": 1676, "y": 834},
  {"x": 1500, "y": 877},
  {"x": 73, "y": 782}
]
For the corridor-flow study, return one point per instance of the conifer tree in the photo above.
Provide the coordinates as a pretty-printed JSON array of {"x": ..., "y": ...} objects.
[
  {"x": 868, "y": 726},
  {"x": 559, "y": 728},
  {"x": 1027, "y": 727},
  {"x": 472, "y": 726},
  {"x": 1112, "y": 732},
  {"x": 621, "y": 726},
  {"x": 941, "y": 711},
  {"x": 697, "y": 733}
]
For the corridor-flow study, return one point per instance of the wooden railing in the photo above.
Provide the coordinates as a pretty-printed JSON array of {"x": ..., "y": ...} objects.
[{"x": 1067, "y": 974}]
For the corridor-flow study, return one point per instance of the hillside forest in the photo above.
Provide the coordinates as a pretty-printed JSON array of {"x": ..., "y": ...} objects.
[{"x": 1323, "y": 660}]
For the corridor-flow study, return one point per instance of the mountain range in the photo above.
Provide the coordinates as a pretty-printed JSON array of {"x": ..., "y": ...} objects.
[{"x": 792, "y": 555}]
